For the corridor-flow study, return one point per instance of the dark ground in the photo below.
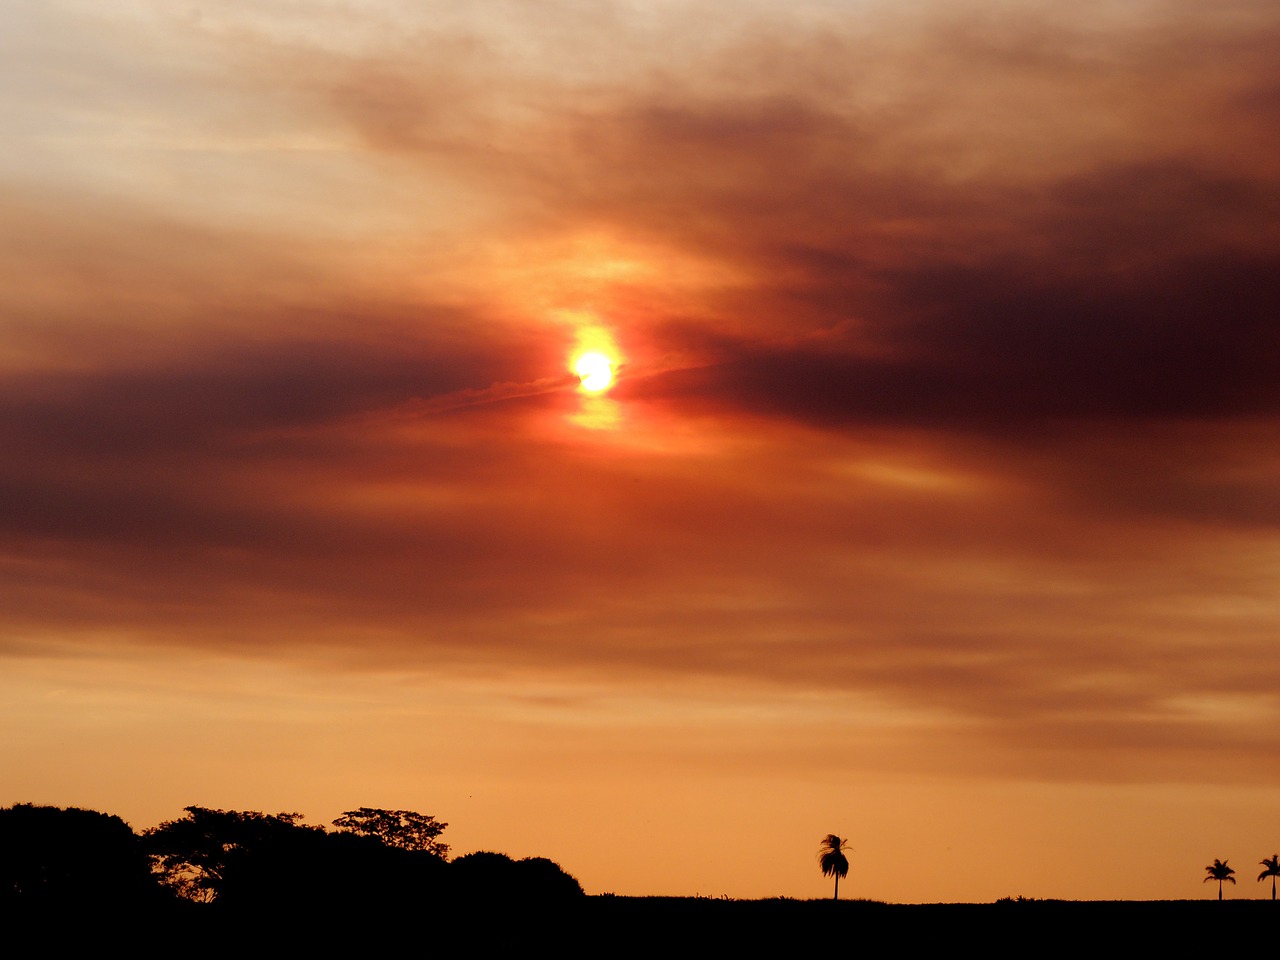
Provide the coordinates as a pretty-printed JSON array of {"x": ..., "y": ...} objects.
[
  {"x": 609, "y": 926},
  {"x": 1048, "y": 927}
]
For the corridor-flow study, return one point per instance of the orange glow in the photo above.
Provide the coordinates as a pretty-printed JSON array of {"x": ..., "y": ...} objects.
[
  {"x": 611, "y": 454},
  {"x": 595, "y": 371}
]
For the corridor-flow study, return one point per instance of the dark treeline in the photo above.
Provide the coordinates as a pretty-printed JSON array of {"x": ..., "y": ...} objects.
[
  {"x": 214, "y": 882},
  {"x": 236, "y": 865}
]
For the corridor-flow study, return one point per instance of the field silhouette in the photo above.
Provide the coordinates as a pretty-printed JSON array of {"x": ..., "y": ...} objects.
[{"x": 210, "y": 882}]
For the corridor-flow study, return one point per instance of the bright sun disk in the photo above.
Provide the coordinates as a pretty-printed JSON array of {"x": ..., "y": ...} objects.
[{"x": 595, "y": 370}]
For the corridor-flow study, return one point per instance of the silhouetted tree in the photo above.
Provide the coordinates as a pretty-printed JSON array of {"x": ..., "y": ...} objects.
[
  {"x": 832, "y": 859},
  {"x": 402, "y": 829},
  {"x": 58, "y": 858},
  {"x": 1220, "y": 871},
  {"x": 250, "y": 862},
  {"x": 1272, "y": 865},
  {"x": 201, "y": 854}
]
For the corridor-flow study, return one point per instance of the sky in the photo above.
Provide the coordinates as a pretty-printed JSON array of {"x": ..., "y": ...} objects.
[{"x": 935, "y": 503}]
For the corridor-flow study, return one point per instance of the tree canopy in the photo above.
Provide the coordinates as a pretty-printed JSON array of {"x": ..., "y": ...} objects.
[
  {"x": 55, "y": 857},
  {"x": 198, "y": 855},
  {"x": 257, "y": 861},
  {"x": 401, "y": 829},
  {"x": 246, "y": 863}
]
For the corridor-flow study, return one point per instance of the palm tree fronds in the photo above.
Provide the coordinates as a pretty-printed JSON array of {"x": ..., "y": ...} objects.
[
  {"x": 833, "y": 863},
  {"x": 1219, "y": 871},
  {"x": 1272, "y": 864},
  {"x": 832, "y": 860},
  {"x": 831, "y": 856}
]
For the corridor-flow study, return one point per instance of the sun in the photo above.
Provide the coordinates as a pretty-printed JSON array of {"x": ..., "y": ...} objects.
[{"x": 595, "y": 371}]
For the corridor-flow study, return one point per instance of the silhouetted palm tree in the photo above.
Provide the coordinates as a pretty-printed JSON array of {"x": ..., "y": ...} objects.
[
  {"x": 1272, "y": 863},
  {"x": 832, "y": 859},
  {"x": 1220, "y": 871}
]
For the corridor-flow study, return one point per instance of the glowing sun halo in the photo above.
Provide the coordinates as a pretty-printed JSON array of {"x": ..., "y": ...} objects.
[{"x": 595, "y": 370}]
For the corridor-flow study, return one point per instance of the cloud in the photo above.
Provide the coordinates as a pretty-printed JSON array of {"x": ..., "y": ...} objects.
[{"x": 950, "y": 360}]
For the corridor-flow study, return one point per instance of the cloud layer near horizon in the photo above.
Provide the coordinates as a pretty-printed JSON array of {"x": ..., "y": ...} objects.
[{"x": 950, "y": 355}]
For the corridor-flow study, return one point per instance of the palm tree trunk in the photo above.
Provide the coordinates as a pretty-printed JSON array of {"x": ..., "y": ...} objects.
[
  {"x": 837, "y": 893},
  {"x": 1273, "y": 887},
  {"x": 1219, "y": 889}
]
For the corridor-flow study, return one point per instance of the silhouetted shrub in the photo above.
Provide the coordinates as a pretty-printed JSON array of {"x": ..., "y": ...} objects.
[
  {"x": 533, "y": 880},
  {"x": 545, "y": 879}
]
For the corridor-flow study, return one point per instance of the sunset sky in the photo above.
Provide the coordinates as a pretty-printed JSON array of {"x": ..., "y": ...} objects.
[{"x": 935, "y": 504}]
